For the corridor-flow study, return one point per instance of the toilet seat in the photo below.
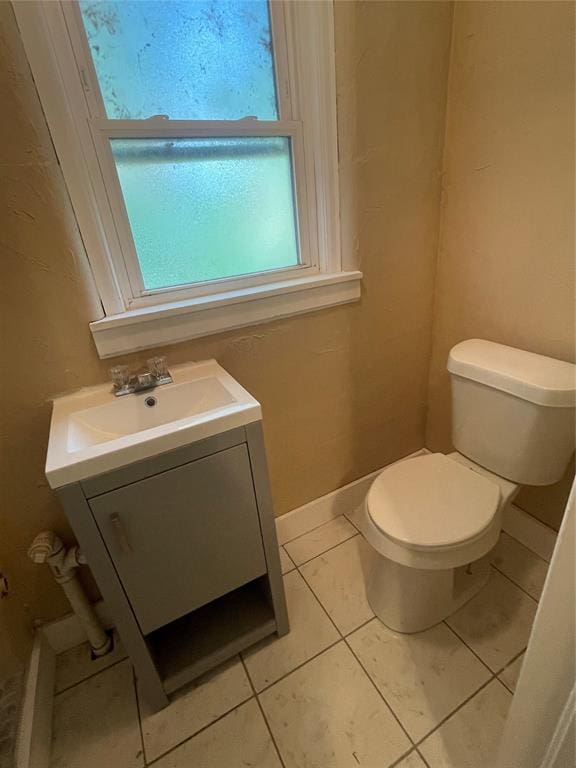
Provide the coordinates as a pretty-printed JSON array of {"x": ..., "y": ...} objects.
[{"x": 431, "y": 503}]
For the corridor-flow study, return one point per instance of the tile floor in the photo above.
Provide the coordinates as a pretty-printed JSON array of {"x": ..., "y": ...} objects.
[{"x": 340, "y": 691}]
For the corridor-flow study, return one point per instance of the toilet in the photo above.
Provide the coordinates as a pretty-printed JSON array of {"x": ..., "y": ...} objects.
[{"x": 433, "y": 520}]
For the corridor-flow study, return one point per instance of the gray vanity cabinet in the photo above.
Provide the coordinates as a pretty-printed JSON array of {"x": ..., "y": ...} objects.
[
  {"x": 183, "y": 547},
  {"x": 184, "y": 537}
]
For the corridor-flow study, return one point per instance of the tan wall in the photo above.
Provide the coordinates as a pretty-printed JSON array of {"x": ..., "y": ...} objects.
[
  {"x": 343, "y": 390},
  {"x": 506, "y": 261}
]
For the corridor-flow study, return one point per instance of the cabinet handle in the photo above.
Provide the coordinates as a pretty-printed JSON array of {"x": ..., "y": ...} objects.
[{"x": 120, "y": 532}]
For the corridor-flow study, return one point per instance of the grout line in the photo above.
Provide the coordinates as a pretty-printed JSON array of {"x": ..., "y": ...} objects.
[
  {"x": 283, "y": 548},
  {"x": 379, "y": 692},
  {"x": 260, "y": 707},
  {"x": 205, "y": 728},
  {"x": 94, "y": 674},
  {"x": 504, "y": 683},
  {"x": 200, "y": 730},
  {"x": 311, "y": 588},
  {"x": 506, "y": 686},
  {"x": 467, "y": 646},
  {"x": 320, "y": 554},
  {"x": 511, "y": 580},
  {"x": 303, "y": 664},
  {"x": 341, "y": 639},
  {"x": 512, "y": 660},
  {"x": 421, "y": 756},
  {"x": 302, "y": 535},
  {"x": 319, "y": 603},
  {"x": 135, "y": 684},
  {"x": 521, "y": 544},
  {"x": 458, "y": 708},
  {"x": 345, "y": 640},
  {"x": 415, "y": 744},
  {"x": 364, "y": 623},
  {"x": 315, "y": 528},
  {"x": 397, "y": 762},
  {"x": 352, "y": 523},
  {"x": 493, "y": 676}
]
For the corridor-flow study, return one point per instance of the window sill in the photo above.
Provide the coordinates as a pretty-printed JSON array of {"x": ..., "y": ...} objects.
[{"x": 179, "y": 321}]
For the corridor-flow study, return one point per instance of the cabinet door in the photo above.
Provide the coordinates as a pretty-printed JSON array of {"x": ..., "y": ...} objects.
[{"x": 183, "y": 537}]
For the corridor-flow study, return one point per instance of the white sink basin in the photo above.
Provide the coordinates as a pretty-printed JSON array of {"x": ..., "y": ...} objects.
[{"x": 92, "y": 431}]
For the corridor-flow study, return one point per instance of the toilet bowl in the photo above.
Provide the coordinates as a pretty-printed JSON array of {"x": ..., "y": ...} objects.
[{"x": 433, "y": 520}]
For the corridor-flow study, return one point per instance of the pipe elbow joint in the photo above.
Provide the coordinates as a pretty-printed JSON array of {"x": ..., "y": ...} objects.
[{"x": 45, "y": 546}]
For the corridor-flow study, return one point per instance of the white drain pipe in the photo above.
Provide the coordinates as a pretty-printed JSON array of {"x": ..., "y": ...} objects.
[{"x": 48, "y": 548}]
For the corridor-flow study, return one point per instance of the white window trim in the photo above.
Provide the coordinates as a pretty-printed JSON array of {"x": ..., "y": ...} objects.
[{"x": 309, "y": 59}]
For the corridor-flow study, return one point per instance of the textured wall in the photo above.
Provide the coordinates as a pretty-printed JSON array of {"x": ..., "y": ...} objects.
[
  {"x": 506, "y": 261},
  {"x": 343, "y": 390},
  {"x": 45, "y": 343}
]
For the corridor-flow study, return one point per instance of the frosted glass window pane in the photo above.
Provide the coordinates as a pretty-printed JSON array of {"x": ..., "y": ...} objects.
[
  {"x": 203, "y": 209},
  {"x": 201, "y": 60}
]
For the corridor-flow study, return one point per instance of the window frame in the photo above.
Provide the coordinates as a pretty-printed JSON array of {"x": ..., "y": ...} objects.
[
  {"x": 139, "y": 296},
  {"x": 303, "y": 37},
  {"x": 102, "y": 128}
]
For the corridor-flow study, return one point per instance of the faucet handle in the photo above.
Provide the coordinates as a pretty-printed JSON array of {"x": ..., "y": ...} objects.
[
  {"x": 159, "y": 367},
  {"x": 120, "y": 377}
]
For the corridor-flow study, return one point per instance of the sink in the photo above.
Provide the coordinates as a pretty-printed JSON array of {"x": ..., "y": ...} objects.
[
  {"x": 92, "y": 431},
  {"x": 136, "y": 413}
]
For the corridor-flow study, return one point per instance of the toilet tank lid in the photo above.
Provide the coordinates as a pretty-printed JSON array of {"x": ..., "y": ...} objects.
[{"x": 536, "y": 378}]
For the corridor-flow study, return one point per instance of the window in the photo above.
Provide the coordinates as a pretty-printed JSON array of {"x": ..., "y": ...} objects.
[{"x": 198, "y": 143}]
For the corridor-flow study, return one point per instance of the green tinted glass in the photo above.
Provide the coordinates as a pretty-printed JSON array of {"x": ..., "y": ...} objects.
[{"x": 203, "y": 209}]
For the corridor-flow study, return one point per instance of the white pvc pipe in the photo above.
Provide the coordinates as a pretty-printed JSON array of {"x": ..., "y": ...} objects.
[
  {"x": 99, "y": 641},
  {"x": 48, "y": 548}
]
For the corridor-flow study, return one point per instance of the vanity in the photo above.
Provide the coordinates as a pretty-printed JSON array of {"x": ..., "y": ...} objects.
[{"x": 167, "y": 492}]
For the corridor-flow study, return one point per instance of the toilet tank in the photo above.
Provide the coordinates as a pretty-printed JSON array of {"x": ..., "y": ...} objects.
[{"x": 513, "y": 411}]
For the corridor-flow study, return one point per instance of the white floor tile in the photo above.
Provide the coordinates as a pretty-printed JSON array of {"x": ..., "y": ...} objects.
[
  {"x": 96, "y": 723},
  {"x": 338, "y": 580},
  {"x": 194, "y": 707},
  {"x": 77, "y": 664},
  {"x": 286, "y": 563},
  {"x": 239, "y": 740},
  {"x": 497, "y": 622},
  {"x": 423, "y": 677},
  {"x": 328, "y": 713},
  {"x": 319, "y": 540},
  {"x": 311, "y": 631},
  {"x": 470, "y": 738},
  {"x": 510, "y": 675},
  {"x": 412, "y": 761},
  {"x": 520, "y": 564}
]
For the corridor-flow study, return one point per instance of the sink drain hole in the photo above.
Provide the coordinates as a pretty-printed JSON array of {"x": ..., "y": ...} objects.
[{"x": 150, "y": 402}]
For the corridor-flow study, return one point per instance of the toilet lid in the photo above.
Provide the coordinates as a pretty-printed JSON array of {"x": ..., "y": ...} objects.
[{"x": 432, "y": 501}]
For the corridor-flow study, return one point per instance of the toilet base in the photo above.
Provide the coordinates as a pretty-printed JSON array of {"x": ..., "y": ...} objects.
[{"x": 412, "y": 599}]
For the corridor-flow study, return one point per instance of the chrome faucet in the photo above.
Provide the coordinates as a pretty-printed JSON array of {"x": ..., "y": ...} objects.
[{"x": 126, "y": 383}]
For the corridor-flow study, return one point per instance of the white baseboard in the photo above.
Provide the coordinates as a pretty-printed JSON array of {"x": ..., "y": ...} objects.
[
  {"x": 319, "y": 511},
  {"x": 34, "y": 738},
  {"x": 65, "y": 633},
  {"x": 529, "y": 531}
]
